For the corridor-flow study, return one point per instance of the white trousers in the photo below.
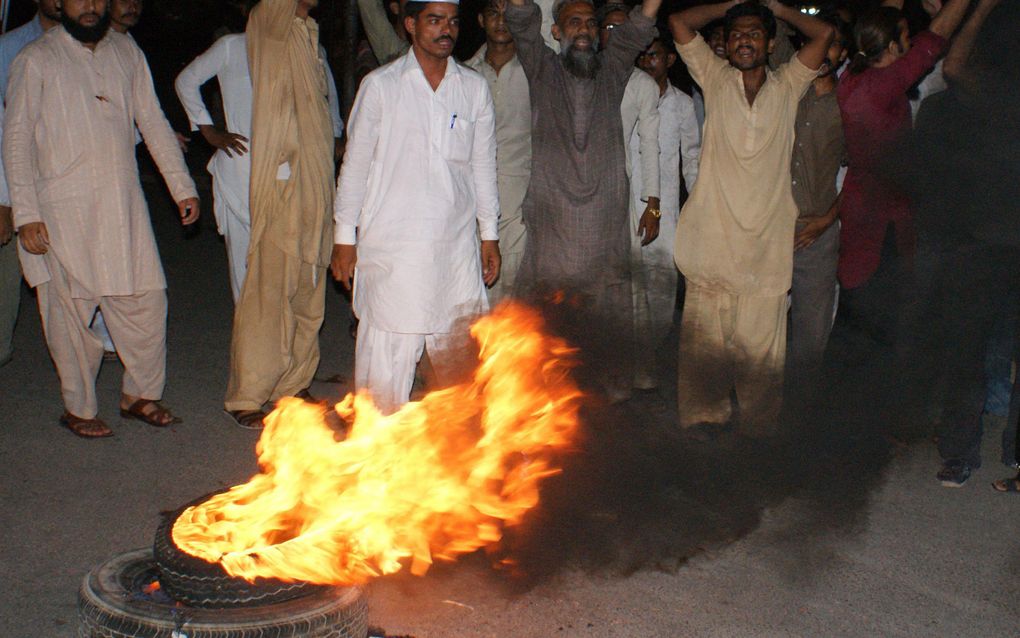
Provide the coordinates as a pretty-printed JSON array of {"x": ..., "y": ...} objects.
[
  {"x": 654, "y": 281},
  {"x": 384, "y": 363},
  {"x": 236, "y": 235}
]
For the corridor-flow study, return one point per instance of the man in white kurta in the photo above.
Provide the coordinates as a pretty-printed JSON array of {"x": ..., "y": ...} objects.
[
  {"x": 230, "y": 166},
  {"x": 654, "y": 272},
  {"x": 416, "y": 191},
  {"x": 497, "y": 61},
  {"x": 86, "y": 239}
]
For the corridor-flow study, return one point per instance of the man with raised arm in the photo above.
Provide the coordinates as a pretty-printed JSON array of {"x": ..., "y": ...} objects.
[
  {"x": 230, "y": 166},
  {"x": 275, "y": 346},
  {"x": 417, "y": 191},
  {"x": 734, "y": 241},
  {"x": 576, "y": 210}
]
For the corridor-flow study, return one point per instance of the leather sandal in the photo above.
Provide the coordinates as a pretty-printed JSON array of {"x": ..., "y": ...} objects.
[
  {"x": 85, "y": 428},
  {"x": 155, "y": 416}
]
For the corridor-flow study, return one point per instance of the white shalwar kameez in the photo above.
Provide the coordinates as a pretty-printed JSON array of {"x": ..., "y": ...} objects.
[
  {"x": 416, "y": 191},
  {"x": 227, "y": 61},
  {"x": 654, "y": 273}
]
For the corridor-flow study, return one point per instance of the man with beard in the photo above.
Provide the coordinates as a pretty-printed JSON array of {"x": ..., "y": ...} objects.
[
  {"x": 734, "y": 242},
  {"x": 576, "y": 210},
  {"x": 74, "y": 98},
  {"x": 275, "y": 346},
  {"x": 497, "y": 61},
  {"x": 11, "y": 44},
  {"x": 818, "y": 152},
  {"x": 417, "y": 189}
]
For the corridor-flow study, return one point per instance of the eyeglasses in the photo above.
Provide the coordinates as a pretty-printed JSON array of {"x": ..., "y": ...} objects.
[{"x": 610, "y": 27}]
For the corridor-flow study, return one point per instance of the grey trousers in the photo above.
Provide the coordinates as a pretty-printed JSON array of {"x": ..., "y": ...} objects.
[
  {"x": 10, "y": 296},
  {"x": 811, "y": 312}
]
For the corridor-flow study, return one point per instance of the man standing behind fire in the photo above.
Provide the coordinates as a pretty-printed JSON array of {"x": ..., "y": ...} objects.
[
  {"x": 417, "y": 188},
  {"x": 275, "y": 347},
  {"x": 74, "y": 98},
  {"x": 497, "y": 61},
  {"x": 734, "y": 242},
  {"x": 576, "y": 210}
]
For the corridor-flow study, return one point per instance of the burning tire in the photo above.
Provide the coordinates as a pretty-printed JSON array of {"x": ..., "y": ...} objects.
[
  {"x": 120, "y": 599},
  {"x": 198, "y": 583}
]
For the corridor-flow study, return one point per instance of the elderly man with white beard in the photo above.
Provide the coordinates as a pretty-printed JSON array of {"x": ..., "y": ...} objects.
[{"x": 576, "y": 210}]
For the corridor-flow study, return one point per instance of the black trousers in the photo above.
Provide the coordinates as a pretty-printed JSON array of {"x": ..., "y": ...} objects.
[{"x": 977, "y": 275}]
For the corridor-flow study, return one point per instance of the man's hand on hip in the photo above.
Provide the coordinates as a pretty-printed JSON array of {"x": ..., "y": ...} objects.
[
  {"x": 34, "y": 238},
  {"x": 491, "y": 261},
  {"x": 343, "y": 262},
  {"x": 189, "y": 210},
  {"x": 6, "y": 225}
]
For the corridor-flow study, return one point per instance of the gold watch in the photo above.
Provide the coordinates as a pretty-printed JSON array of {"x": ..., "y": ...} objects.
[{"x": 656, "y": 213}]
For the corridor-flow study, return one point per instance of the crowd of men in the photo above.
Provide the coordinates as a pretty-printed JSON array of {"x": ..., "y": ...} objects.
[{"x": 559, "y": 160}]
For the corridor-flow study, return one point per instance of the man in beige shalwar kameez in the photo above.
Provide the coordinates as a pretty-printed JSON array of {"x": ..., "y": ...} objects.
[
  {"x": 275, "y": 347},
  {"x": 74, "y": 98}
]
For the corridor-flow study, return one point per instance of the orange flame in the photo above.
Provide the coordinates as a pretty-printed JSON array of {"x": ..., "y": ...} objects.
[{"x": 438, "y": 478}]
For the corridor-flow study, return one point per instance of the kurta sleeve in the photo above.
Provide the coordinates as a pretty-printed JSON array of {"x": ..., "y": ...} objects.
[
  {"x": 24, "y": 104},
  {"x": 648, "y": 136},
  {"x": 797, "y": 76},
  {"x": 690, "y": 141},
  {"x": 156, "y": 131},
  {"x": 702, "y": 63},
  {"x": 5, "y": 194},
  {"x": 190, "y": 80},
  {"x": 362, "y": 137},
  {"x": 483, "y": 168},
  {"x": 627, "y": 42},
  {"x": 525, "y": 24},
  {"x": 333, "y": 97},
  {"x": 386, "y": 44}
]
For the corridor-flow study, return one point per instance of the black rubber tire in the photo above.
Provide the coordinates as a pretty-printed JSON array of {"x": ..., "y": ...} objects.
[
  {"x": 198, "y": 583},
  {"x": 110, "y": 607}
]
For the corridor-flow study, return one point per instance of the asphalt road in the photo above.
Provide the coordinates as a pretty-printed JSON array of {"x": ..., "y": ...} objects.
[{"x": 835, "y": 532}]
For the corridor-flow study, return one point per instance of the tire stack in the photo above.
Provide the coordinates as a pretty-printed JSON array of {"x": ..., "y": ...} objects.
[{"x": 196, "y": 599}]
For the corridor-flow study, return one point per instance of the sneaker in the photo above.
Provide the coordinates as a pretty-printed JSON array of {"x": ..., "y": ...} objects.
[{"x": 954, "y": 473}]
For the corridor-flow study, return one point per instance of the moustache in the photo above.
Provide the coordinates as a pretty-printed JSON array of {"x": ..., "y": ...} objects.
[{"x": 443, "y": 37}]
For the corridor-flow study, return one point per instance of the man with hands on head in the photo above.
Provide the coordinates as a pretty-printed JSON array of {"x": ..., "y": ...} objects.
[
  {"x": 73, "y": 100},
  {"x": 416, "y": 190},
  {"x": 734, "y": 241}
]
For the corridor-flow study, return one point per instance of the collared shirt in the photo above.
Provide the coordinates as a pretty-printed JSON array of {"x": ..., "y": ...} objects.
[
  {"x": 639, "y": 112},
  {"x": 818, "y": 152},
  {"x": 227, "y": 61},
  {"x": 736, "y": 230},
  {"x": 512, "y": 101},
  {"x": 11, "y": 44},
  {"x": 417, "y": 188},
  {"x": 679, "y": 144},
  {"x": 69, "y": 151}
]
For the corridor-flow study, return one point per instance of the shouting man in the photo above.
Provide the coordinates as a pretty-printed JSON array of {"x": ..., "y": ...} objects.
[
  {"x": 416, "y": 191},
  {"x": 275, "y": 347},
  {"x": 576, "y": 210},
  {"x": 74, "y": 98},
  {"x": 734, "y": 241}
]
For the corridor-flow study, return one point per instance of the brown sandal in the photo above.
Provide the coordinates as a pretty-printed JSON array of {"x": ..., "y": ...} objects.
[
  {"x": 85, "y": 428},
  {"x": 247, "y": 419},
  {"x": 156, "y": 416}
]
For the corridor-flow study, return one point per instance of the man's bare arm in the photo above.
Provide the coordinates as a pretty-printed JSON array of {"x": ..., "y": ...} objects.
[
  {"x": 959, "y": 52},
  {"x": 650, "y": 8},
  {"x": 819, "y": 34},
  {"x": 686, "y": 23},
  {"x": 949, "y": 17}
]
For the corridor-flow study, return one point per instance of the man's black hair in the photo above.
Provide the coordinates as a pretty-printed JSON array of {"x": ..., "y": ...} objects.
[
  {"x": 611, "y": 7},
  {"x": 750, "y": 9},
  {"x": 414, "y": 8}
]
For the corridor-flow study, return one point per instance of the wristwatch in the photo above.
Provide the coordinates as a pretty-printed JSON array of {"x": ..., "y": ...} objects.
[{"x": 656, "y": 213}]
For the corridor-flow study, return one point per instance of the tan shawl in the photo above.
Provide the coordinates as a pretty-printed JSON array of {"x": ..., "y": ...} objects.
[{"x": 290, "y": 124}]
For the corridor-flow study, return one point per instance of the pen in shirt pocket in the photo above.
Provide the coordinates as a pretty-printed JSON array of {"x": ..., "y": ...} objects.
[{"x": 453, "y": 120}]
